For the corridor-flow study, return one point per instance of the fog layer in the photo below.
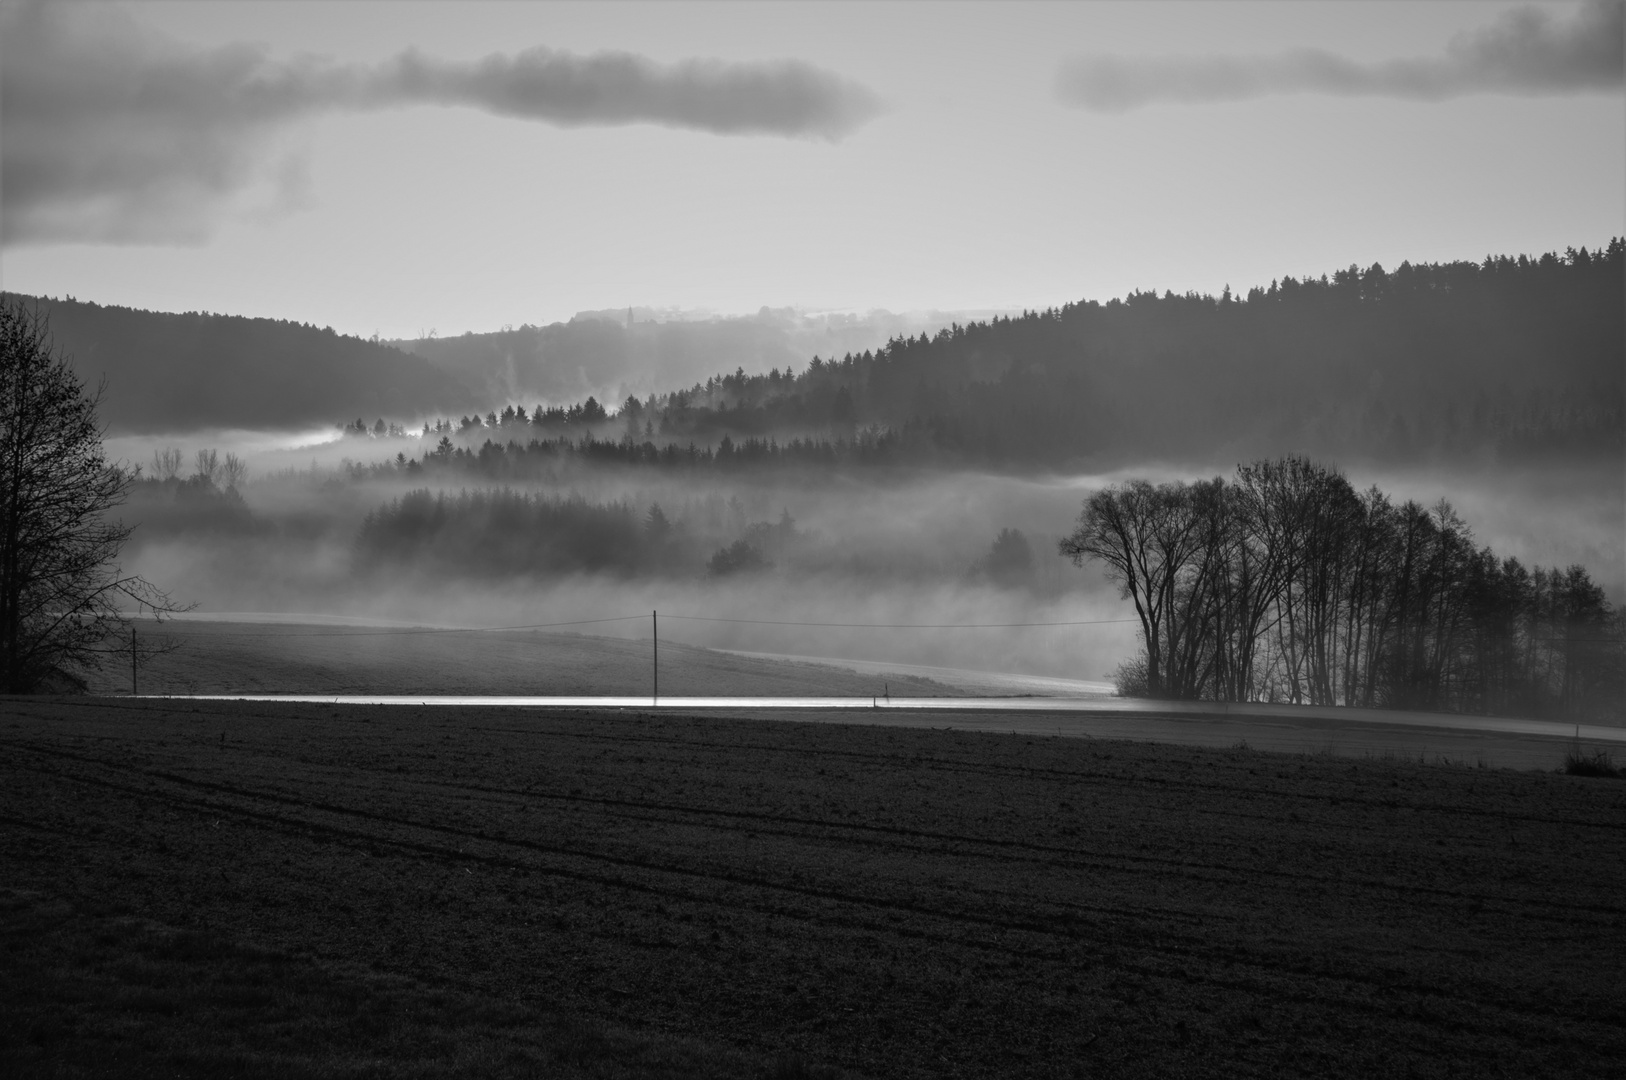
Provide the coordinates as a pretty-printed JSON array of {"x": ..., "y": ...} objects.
[{"x": 910, "y": 556}]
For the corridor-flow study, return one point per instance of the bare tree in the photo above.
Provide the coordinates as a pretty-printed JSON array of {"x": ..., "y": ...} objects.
[
  {"x": 60, "y": 591},
  {"x": 233, "y": 471},
  {"x": 208, "y": 463},
  {"x": 166, "y": 463},
  {"x": 1146, "y": 536},
  {"x": 1287, "y": 585}
]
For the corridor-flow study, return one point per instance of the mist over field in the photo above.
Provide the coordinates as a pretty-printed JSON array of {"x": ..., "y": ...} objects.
[
  {"x": 863, "y": 552},
  {"x": 902, "y": 549},
  {"x": 912, "y": 484}
]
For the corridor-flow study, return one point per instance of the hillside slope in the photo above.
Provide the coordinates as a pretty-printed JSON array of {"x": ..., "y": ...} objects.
[
  {"x": 169, "y": 372},
  {"x": 611, "y": 354},
  {"x": 1512, "y": 358}
]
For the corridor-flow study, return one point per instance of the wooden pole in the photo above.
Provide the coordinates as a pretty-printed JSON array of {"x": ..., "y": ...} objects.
[
  {"x": 135, "y": 689},
  {"x": 655, "y": 662}
]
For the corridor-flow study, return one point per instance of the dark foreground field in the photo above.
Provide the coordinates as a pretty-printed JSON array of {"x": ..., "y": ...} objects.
[{"x": 307, "y": 891}]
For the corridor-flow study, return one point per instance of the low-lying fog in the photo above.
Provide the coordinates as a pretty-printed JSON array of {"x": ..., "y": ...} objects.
[{"x": 891, "y": 548}]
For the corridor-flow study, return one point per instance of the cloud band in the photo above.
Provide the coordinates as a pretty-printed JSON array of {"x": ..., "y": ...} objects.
[
  {"x": 115, "y": 134},
  {"x": 1527, "y": 52}
]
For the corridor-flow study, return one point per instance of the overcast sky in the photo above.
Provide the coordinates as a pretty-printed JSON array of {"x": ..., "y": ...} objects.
[{"x": 395, "y": 167}]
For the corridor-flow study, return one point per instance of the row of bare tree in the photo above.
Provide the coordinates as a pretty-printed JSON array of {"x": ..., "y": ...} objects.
[
  {"x": 1286, "y": 584},
  {"x": 228, "y": 473}
]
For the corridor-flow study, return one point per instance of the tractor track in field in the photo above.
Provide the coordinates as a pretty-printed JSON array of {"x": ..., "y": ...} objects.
[
  {"x": 742, "y": 878},
  {"x": 1094, "y": 777},
  {"x": 1097, "y": 777},
  {"x": 954, "y": 844},
  {"x": 1175, "y": 957},
  {"x": 1174, "y": 950}
]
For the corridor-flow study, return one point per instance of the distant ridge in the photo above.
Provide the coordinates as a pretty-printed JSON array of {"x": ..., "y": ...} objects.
[
  {"x": 169, "y": 372},
  {"x": 612, "y": 353},
  {"x": 173, "y": 372},
  {"x": 1505, "y": 359}
]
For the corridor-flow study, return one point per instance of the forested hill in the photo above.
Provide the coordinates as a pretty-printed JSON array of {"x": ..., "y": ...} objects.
[
  {"x": 1507, "y": 359},
  {"x": 1512, "y": 358},
  {"x": 609, "y": 354},
  {"x": 177, "y": 372}
]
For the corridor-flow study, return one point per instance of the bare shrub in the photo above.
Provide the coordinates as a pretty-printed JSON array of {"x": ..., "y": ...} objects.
[
  {"x": 1130, "y": 680},
  {"x": 1579, "y": 763}
]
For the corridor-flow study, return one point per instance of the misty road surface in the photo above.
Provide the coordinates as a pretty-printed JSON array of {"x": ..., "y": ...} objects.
[{"x": 1490, "y": 741}]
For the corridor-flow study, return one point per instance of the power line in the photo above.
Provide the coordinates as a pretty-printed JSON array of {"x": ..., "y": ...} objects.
[
  {"x": 901, "y": 626},
  {"x": 416, "y": 630}
]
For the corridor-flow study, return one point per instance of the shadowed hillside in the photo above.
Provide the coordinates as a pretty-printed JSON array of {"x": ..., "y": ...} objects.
[
  {"x": 610, "y": 354},
  {"x": 1509, "y": 359},
  {"x": 180, "y": 372}
]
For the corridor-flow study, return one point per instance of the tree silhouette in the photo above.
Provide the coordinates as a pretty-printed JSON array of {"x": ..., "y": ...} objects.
[
  {"x": 1287, "y": 585},
  {"x": 234, "y": 470},
  {"x": 166, "y": 463},
  {"x": 208, "y": 464},
  {"x": 656, "y": 524},
  {"x": 59, "y": 588},
  {"x": 1009, "y": 562},
  {"x": 738, "y": 557}
]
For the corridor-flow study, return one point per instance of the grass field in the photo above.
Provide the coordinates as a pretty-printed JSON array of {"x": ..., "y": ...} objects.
[
  {"x": 259, "y": 658},
  {"x": 258, "y": 889}
]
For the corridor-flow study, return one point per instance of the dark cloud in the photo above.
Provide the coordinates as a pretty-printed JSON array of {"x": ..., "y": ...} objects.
[
  {"x": 784, "y": 98},
  {"x": 1526, "y": 52},
  {"x": 113, "y": 133}
]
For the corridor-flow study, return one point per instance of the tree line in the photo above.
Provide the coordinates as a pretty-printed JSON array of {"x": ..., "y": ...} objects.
[
  {"x": 1512, "y": 358},
  {"x": 498, "y": 533},
  {"x": 544, "y": 458},
  {"x": 1286, "y": 584}
]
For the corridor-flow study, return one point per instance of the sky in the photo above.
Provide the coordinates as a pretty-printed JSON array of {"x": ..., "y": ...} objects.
[{"x": 397, "y": 168}]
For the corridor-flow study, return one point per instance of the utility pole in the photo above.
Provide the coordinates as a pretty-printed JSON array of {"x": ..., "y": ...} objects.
[
  {"x": 134, "y": 686},
  {"x": 655, "y": 639}
]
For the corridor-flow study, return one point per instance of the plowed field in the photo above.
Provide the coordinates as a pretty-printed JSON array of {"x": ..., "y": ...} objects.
[{"x": 298, "y": 890}]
